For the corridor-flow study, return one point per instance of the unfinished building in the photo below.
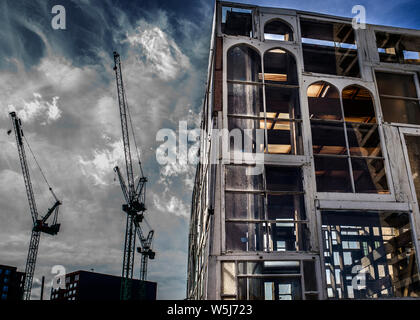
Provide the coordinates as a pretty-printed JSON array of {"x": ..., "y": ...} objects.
[{"x": 334, "y": 212}]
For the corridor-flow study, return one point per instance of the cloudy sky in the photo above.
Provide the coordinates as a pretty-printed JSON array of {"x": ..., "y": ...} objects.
[{"x": 62, "y": 85}]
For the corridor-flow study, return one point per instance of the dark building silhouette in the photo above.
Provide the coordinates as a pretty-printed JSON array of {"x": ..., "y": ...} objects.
[
  {"x": 86, "y": 285},
  {"x": 11, "y": 283}
]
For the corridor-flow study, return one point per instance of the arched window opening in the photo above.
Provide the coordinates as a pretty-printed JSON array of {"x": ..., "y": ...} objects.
[
  {"x": 364, "y": 142},
  {"x": 278, "y": 30},
  {"x": 244, "y": 64},
  {"x": 328, "y": 138},
  {"x": 284, "y": 134},
  {"x": 280, "y": 67},
  {"x": 245, "y": 96},
  {"x": 345, "y": 140}
]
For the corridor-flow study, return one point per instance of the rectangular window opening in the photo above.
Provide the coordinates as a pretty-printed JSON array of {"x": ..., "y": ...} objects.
[
  {"x": 329, "y": 48},
  {"x": 237, "y": 21},
  {"x": 398, "y": 48},
  {"x": 399, "y": 99}
]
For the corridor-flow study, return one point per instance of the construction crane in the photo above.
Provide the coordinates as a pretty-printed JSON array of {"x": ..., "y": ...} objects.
[
  {"x": 39, "y": 224},
  {"x": 134, "y": 193},
  {"x": 145, "y": 250}
]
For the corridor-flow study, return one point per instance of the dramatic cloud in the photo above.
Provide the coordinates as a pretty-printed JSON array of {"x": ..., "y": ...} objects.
[
  {"x": 161, "y": 52},
  {"x": 103, "y": 163},
  {"x": 62, "y": 85},
  {"x": 37, "y": 108}
]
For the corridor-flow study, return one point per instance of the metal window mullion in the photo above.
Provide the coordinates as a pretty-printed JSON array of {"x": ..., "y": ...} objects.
[
  {"x": 264, "y": 105},
  {"x": 239, "y": 220},
  {"x": 268, "y": 276},
  {"x": 236, "y": 279},
  {"x": 347, "y": 144}
]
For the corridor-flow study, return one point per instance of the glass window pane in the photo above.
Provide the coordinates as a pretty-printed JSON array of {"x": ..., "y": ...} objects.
[
  {"x": 286, "y": 236},
  {"x": 278, "y": 30},
  {"x": 328, "y": 138},
  {"x": 228, "y": 278},
  {"x": 309, "y": 273},
  {"x": 324, "y": 102},
  {"x": 240, "y": 177},
  {"x": 369, "y": 175},
  {"x": 243, "y": 136},
  {"x": 364, "y": 140},
  {"x": 270, "y": 288},
  {"x": 400, "y": 110},
  {"x": 243, "y": 64},
  {"x": 244, "y": 236},
  {"x": 280, "y": 67},
  {"x": 268, "y": 267},
  {"x": 286, "y": 207},
  {"x": 332, "y": 174},
  {"x": 282, "y": 103},
  {"x": 245, "y": 99},
  {"x": 388, "y": 270},
  {"x": 358, "y": 105},
  {"x": 283, "y": 178},
  {"x": 244, "y": 206},
  {"x": 244, "y": 123}
]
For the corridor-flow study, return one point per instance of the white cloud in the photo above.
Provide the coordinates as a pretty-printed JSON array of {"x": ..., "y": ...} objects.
[
  {"x": 160, "y": 51},
  {"x": 38, "y": 108},
  {"x": 63, "y": 74},
  {"x": 174, "y": 206},
  {"x": 101, "y": 165}
]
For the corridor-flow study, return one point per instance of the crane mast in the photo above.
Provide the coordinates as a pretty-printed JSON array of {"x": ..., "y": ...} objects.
[
  {"x": 145, "y": 250},
  {"x": 134, "y": 194},
  {"x": 39, "y": 225}
]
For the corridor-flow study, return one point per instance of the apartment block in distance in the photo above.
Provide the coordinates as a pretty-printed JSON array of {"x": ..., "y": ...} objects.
[
  {"x": 11, "y": 283},
  {"x": 92, "y": 286},
  {"x": 308, "y": 185}
]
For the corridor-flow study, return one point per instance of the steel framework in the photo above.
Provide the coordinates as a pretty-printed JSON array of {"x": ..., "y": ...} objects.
[
  {"x": 39, "y": 225},
  {"x": 134, "y": 194}
]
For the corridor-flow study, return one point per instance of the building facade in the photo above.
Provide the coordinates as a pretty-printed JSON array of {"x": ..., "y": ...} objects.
[
  {"x": 92, "y": 286},
  {"x": 11, "y": 283},
  {"x": 308, "y": 181}
]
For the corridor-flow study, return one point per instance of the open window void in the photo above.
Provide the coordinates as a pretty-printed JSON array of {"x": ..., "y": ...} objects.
[
  {"x": 278, "y": 30},
  {"x": 399, "y": 98},
  {"x": 345, "y": 139},
  {"x": 237, "y": 21},
  {"x": 329, "y": 48},
  {"x": 398, "y": 48}
]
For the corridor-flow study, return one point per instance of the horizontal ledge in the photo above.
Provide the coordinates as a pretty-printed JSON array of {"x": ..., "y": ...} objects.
[
  {"x": 267, "y": 221},
  {"x": 365, "y": 205}
]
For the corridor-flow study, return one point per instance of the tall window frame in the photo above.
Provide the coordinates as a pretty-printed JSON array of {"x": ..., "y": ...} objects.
[
  {"x": 262, "y": 84},
  {"x": 273, "y": 216},
  {"x": 346, "y": 127}
]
